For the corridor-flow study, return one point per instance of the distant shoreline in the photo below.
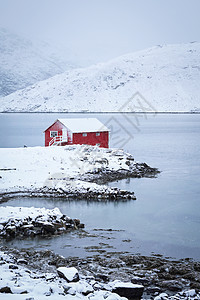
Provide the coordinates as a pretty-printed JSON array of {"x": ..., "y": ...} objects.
[{"x": 99, "y": 112}]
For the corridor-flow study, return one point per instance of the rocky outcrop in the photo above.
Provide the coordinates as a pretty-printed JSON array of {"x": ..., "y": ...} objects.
[
  {"x": 103, "y": 193},
  {"x": 73, "y": 171},
  {"x": 34, "y": 222}
]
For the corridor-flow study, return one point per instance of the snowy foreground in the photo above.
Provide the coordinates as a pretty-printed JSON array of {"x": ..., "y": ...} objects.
[
  {"x": 18, "y": 280},
  {"x": 69, "y": 171}
]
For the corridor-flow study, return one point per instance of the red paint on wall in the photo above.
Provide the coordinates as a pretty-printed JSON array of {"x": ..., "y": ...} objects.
[
  {"x": 90, "y": 138},
  {"x": 57, "y": 126}
]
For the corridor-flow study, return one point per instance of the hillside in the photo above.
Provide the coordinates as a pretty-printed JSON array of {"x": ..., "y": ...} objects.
[
  {"x": 167, "y": 78},
  {"x": 24, "y": 62}
]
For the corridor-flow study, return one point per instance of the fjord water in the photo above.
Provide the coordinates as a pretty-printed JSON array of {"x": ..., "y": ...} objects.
[{"x": 164, "y": 219}]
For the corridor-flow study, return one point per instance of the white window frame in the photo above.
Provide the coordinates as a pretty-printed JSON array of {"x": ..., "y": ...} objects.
[
  {"x": 84, "y": 134},
  {"x": 98, "y": 133},
  {"x": 53, "y": 131},
  {"x": 98, "y": 144}
]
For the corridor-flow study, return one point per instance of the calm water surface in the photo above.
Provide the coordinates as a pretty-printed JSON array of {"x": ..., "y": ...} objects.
[{"x": 164, "y": 219}]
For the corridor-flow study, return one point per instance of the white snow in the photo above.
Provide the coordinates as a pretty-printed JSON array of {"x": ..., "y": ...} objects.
[
  {"x": 38, "y": 286},
  {"x": 19, "y": 214},
  {"x": 167, "y": 78},
  {"x": 68, "y": 273},
  {"x": 25, "y": 62},
  {"x": 117, "y": 283},
  {"x": 84, "y": 125},
  {"x": 26, "y": 169}
]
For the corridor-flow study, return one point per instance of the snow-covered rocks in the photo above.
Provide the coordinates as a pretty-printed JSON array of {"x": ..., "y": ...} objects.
[
  {"x": 31, "y": 221},
  {"x": 23, "y": 283},
  {"x": 127, "y": 289},
  {"x": 188, "y": 295},
  {"x": 67, "y": 171},
  {"x": 69, "y": 274}
]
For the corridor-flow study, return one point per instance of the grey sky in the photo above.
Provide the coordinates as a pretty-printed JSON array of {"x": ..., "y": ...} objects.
[{"x": 104, "y": 29}]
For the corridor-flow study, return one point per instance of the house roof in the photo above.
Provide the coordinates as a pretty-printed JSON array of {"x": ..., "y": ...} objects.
[{"x": 83, "y": 125}]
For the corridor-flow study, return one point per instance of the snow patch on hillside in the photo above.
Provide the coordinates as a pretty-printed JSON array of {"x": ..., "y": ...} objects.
[
  {"x": 24, "y": 62},
  {"x": 166, "y": 77}
]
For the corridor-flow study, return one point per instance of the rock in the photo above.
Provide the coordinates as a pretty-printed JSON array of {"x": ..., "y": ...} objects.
[
  {"x": 140, "y": 280},
  {"x": 81, "y": 225},
  {"x": 102, "y": 277},
  {"x": 81, "y": 287},
  {"x": 13, "y": 267},
  {"x": 6, "y": 290},
  {"x": 22, "y": 261},
  {"x": 153, "y": 289},
  {"x": 162, "y": 296},
  {"x": 69, "y": 274},
  {"x": 49, "y": 228},
  {"x": 190, "y": 293},
  {"x": 172, "y": 285},
  {"x": 11, "y": 230},
  {"x": 128, "y": 290}
]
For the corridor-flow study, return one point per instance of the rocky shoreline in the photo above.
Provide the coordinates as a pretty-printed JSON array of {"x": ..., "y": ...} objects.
[
  {"x": 162, "y": 278},
  {"x": 30, "y": 222},
  {"x": 136, "y": 170},
  {"x": 76, "y": 171}
]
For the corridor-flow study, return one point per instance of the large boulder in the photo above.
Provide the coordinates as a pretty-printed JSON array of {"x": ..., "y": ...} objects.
[
  {"x": 128, "y": 290},
  {"x": 69, "y": 274}
]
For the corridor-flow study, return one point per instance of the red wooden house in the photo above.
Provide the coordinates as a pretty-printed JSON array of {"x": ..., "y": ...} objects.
[{"x": 88, "y": 131}]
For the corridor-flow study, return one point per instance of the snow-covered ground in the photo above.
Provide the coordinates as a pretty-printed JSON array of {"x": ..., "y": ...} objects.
[
  {"x": 167, "y": 78},
  {"x": 19, "y": 282},
  {"x": 62, "y": 169}
]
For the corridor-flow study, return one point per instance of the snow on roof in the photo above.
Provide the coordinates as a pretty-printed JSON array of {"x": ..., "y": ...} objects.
[{"x": 84, "y": 125}]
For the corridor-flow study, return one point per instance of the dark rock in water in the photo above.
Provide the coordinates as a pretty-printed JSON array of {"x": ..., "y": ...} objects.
[
  {"x": 49, "y": 228},
  {"x": 77, "y": 222},
  {"x": 6, "y": 290},
  {"x": 81, "y": 225},
  {"x": 11, "y": 230},
  {"x": 128, "y": 290}
]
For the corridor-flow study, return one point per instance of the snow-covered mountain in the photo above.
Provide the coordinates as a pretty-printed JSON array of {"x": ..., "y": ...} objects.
[
  {"x": 162, "y": 78},
  {"x": 24, "y": 62}
]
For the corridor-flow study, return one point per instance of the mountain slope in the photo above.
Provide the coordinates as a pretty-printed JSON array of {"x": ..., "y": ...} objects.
[
  {"x": 23, "y": 62},
  {"x": 167, "y": 78}
]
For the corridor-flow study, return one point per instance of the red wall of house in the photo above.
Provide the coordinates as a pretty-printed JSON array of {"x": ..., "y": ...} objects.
[
  {"x": 57, "y": 126},
  {"x": 92, "y": 139},
  {"x": 78, "y": 138}
]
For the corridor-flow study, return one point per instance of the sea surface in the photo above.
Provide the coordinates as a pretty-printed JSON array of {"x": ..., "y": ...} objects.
[{"x": 165, "y": 218}]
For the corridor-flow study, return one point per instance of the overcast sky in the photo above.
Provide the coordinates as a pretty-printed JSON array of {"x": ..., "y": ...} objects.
[{"x": 104, "y": 29}]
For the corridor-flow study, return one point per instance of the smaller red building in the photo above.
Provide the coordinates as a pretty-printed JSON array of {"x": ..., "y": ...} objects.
[{"x": 88, "y": 131}]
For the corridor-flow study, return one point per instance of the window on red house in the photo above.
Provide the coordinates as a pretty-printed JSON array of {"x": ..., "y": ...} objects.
[
  {"x": 97, "y": 133},
  {"x": 84, "y": 134},
  {"x": 53, "y": 133}
]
